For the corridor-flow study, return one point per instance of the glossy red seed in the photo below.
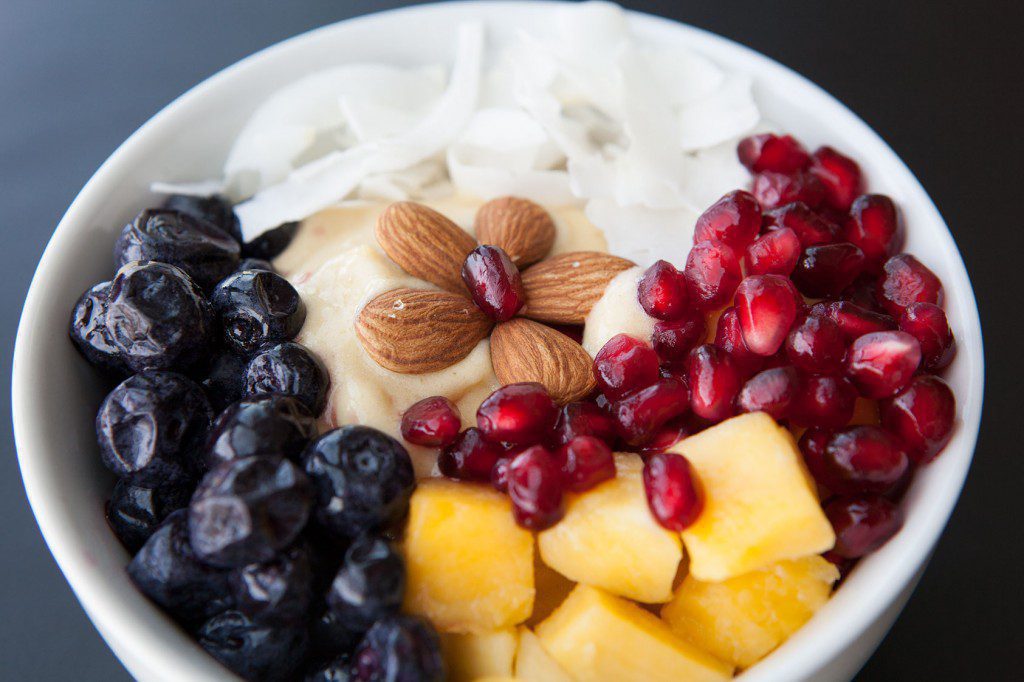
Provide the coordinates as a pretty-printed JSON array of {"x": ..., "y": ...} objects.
[
  {"x": 816, "y": 346},
  {"x": 585, "y": 462},
  {"x": 470, "y": 458},
  {"x": 520, "y": 414},
  {"x": 712, "y": 273},
  {"x": 776, "y": 189},
  {"x": 494, "y": 282},
  {"x": 640, "y": 414},
  {"x": 768, "y": 152},
  {"x": 874, "y": 227},
  {"x": 499, "y": 474},
  {"x": 662, "y": 292},
  {"x": 812, "y": 446},
  {"x": 810, "y": 227},
  {"x": 773, "y": 391},
  {"x": 729, "y": 338},
  {"x": 535, "y": 486},
  {"x": 853, "y": 320},
  {"x": 433, "y": 422},
  {"x": 824, "y": 401},
  {"x": 905, "y": 280},
  {"x": 827, "y": 269},
  {"x": 921, "y": 416},
  {"x": 667, "y": 436},
  {"x": 882, "y": 363},
  {"x": 927, "y": 323},
  {"x": 714, "y": 382},
  {"x": 623, "y": 365},
  {"x": 583, "y": 419},
  {"x": 774, "y": 253},
  {"x": 735, "y": 220},
  {"x": 674, "y": 340},
  {"x": 766, "y": 306},
  {"x": 862, "y": 292},
  {"x": 674, "y": 493},
  {"x": 839, "y": 174},
  {"x": 862, "y": 523},
  {"x": 866, "y": 459}
]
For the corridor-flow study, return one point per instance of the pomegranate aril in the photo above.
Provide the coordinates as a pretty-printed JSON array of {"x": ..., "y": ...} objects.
[
  {"x": 583, "y": 419},
  {"x": 470, "y": 458},
  {"x": 882, "y": 363},
  {"x": 519, "y": 414},
  {"x": 667, "y": 436},
  {"x": 714, "y": 382},
  {"x": 772, "y": 391},
  {"x": 766, "y": 306},
  {"x": 816, "y": 346},
  {"x": 662, "y": 292},
  {"x": 812, "y": 447},
  {"x": 862, "y": 523},
  {"x": 729, "y": 338},
  {"x": 774, "y": 253},
  {"x": 810, "y": 227},
  {"x": 904, "y": 280},
  {"x": 768, "y": 152},
  {"x": 499, "y": 474},
  {"x": 827, "y": 269},
  {"x": 927, "y": 323},
  {"x": 866, "y": 459},
  {"x": 735, "y": 220},
  {"x": 674, "y": 340},
  {"x": 623, "y": 365},
  {"x": 432, "y": 422},
  {"x": 674, "y": 493},
  {"x": 874, "y": 227},
  {"x": 863, "y": 292},
  {"x": 853, "y": 320},
  {"x": 640, "y": 414},
  {"x": 839, "y": 174},
  {"x": 585, "y": 462},
  {"x": 712, "y": 273},
  {"x": 777, "y": 189},
  {"x": 494, "y": 282},
  {"x": 535, "y": 486},
  {"x": 824, "y": 401},
  {"x": 921, "y": 416}
]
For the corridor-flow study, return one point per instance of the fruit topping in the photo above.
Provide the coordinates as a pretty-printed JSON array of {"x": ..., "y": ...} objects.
[
  {"x": 735, "y": 220},
  {"x": 874, "y": 227},
  {"x": 862, "y": 523},
  {"x": 712, "y": 274},
  {"x": 279, "y": 591},
  {"x": 213, "y": 209},
  {"x": 519, "y": 414},
  {"x": 816, "y": 346},
  {"x": 714, "y": 381},
  {"x": 673, "y": 491},
  {"x": 535, "y": 486},
  {"x": 674, "y": 340},
  {"x": 839, "y": 174},
  {"x": 494, "y": 282},
  {"x": 927, "y": 323},
  {"x": 254, "y": 650},
  {"x": 499, "y": 474},
  {"x": 905, "y": 280},
  {"x": 432, "y": 422},
  {"x": 865, "y": 459},
  {"x": 662, "y": 292},
  {"x": 921, "y": 416},
  {"x": 810, "y": 228},
  {"x": 585, "y": 461},
  {"x": 271, "y": 425},
  {"x": 776, "y": 252},
  {"x": 824, "y": 401},
  {"x": 729, "y": 338},
  {"x": 812, "y": 446},
  {"x": 766, "y": 306},
  {"x": 221, "y": 375},
  {"x": 853, "y": 320},
  {"x": 370, "y": 585},
  {"x": 774, "y": 391},
  {"x": 778, "y": 189},
  {"x": 768, "y": 152},
  {"x": 292, "y": 370},
  {"x": 471, "y": 457},
  {"x": 640, "y": 414},
  {"x": 624, "y": 365},
  {"x": 134, "y": 512},
  {"x": 257, "y": 309},
  {"x": 271, "y": 243},
  {"x": 826, "y": 270},
  {"x": 881, "y": 364},
  {"x": 88, "y": 330},
  {"x": 399, "y": 648},
  {"x": 583, "y": 419}
]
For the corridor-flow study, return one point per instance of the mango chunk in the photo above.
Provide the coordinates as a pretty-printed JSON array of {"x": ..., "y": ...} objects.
[
  {"x": 534, "y": 664},
  {"x": 760, "y": 505},
  {"x": 471, "y": 657}
]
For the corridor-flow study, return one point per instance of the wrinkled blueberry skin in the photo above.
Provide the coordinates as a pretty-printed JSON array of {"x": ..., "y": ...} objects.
[
  {"x": 257, "y": 309},
  {"x": 271, "y": 243},
  {"x": 399, "y": 649},
  {"x": 167, "y": 571},
  {"x": 255, "y": 264},
  {"x": 272, "y": 425},
  {"x": 290, "y": 369},
  {"x": 278, "y": 591},
  {"x": 150, "y": 426},
  {"x": 329, "y": 637},
  {"x": 338, "y": 670},
  {"x": 135, "y": 512},
  {"x": 214, "y": 209},
  {"x": 157, "y": 317},
  {"x": 363, "y": 480},
  {"x": 254, "y": 651},
  {"x": 222, "y": 375},
  {"x": 370, "y": 584},
  {"x": 88, "y": 330},
  {"x": 247, "y": 510},
  {"x": 202, "y": 250}
]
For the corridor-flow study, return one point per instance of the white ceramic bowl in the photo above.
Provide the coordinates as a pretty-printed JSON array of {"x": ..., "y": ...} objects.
[{"x": 56, "y": 394}]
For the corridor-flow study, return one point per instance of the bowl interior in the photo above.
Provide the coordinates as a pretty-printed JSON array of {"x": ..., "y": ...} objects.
[{"x": 55, "y": 394}]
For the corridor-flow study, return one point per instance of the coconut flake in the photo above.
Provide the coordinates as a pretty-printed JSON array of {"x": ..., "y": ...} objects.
[{"x": 203, "y": 188}]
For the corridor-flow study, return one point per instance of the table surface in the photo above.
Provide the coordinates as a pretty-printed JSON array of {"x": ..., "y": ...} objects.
[{"x": 940, "y": 81}]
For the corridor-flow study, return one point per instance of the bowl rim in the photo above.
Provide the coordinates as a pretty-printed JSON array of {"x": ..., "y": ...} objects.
[{"x": 129, "y": 642}]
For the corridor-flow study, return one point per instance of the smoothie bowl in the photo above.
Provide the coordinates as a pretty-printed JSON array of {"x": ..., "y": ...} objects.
[{"x": 498, "y": 340}]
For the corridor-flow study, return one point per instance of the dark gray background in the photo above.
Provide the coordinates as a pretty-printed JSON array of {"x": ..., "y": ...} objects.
[{"x": 940, "y": 81}]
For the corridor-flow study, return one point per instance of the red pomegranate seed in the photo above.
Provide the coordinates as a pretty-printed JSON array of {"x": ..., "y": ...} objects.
[
  {"x": 712, "y": 273},
  {"x": 735, "y": 220},
  {"x": 863, "y": 292},
  {"x": 824, "y": 401},
  {"x": 816, "y": 346},
  {"x": 827, "y": 269},
  {"x": 767, "y": 152},
  {"x": 674, "y": 493},
  {"x": 640, "y": 414},
  {"x": 766, "y": 306},
  {"x": 874, "y": 227},
  {"x": 853, "y": 320},
  {"x": 729, "y": 338},
  {"x": 667, "y": 436},
  {"x": 494, "y": 282},
  {"x": 866, "y": 459},
  {"x": 810, "y": 227},
  {"x": 921, "y": 417},
  {"x": 662, "y": 292},
  {"x": 905, "y": 280},
  {"x": 623, "y": 365},
  {"x": 535, "y": 486},
  {"x": 772, "y": 391},
  {"x": 839, "y": 174},
  {"x": 812, "y": 447},
  {"x": 674, "y": 340},
  {"x": 777, "y": 189},
  {"x": 433, "y": 422},
  {"x": 862, "y": 523},
  {"x": 714, "y": 382},
  {"x": 773, "y": 253},
  {"x": 882, "y": 363},
  {"x": 927, "y": 323},
  {"x": 499, "y": 474},
  {"x": 470, "y": 458},
  {"x": 585, "y": 462},
  {"x": 583, "y": 419},
  {"x": 519, "y": 414}
]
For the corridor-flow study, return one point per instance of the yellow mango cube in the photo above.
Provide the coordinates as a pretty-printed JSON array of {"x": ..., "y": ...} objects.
[
  {"x": 760, "y": 504},
  {"x": 487, "y": 654},
  {"x": 741, "y": 620},
  {"x": 534, "y": 664},
  {"x": 598, "y": 637},
  {"x": 469, "y": 566}
]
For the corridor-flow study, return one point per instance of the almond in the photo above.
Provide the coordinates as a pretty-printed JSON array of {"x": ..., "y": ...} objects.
[
  {"x": 523, "y": 350},
  {"x": 413, "y": 332},
  {"x": 425, "y": 243},
  {"x": 523, "y": 229},
  {"x": 563, "y": 288}
]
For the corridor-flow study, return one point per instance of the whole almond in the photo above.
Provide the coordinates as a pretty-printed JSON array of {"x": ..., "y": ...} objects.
[
  {"x": 425, "y": 243},
  {"x": 523, "y": 229},
  {"x": 413, "y": 332},
  {"x": 562, "y": 289},
  {"x": 524, "y": 350}
]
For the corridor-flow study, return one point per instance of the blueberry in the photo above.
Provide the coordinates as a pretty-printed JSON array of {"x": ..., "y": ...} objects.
[
  {"x": 269, "y": 425},
  {"x": 252, "y": 650},
  {"x": 88, "y": 330},
  {"x": 338, "y": 670},
  {"x": 257, "y": 309},
  {"x": 222, "y": 376},
  {"x": 134, "y": 512},
  {"x": 202, "y": 250},
  {"x": 271, "y": 243},
  {"x": 214, "y": 209},
  {"x": 370, "y": 584},
  {"x": 150, "y": 426},
  {"x": 247, "y": 510},
  {"x": 290, "y": 369},
  {"x": 167, "y": 571},
  {"x": 399, "y": 649},
  {"x": 330, "y": 637},
  {"x": 255, "y": 264},
  {"x": 278, "y": 591},
  {"x": 157, "y": 318},
  {"x": 363, "y": 479}
]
